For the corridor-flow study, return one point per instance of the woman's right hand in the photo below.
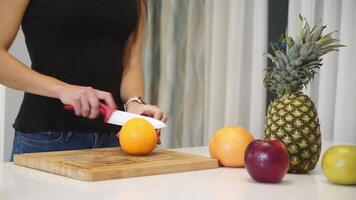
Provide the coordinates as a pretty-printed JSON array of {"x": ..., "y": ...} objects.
[{"x": 85, "y": 100}]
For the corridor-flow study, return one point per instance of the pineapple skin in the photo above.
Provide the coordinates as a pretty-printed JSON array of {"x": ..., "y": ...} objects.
[{"x": 293, "y": 119}]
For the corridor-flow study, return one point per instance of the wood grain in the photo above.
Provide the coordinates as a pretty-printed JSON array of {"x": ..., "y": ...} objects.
[{"x": 112, "y": 163}]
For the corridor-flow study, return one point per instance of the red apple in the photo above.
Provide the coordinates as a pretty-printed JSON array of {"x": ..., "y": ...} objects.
[{"x": 267, "y": 161}]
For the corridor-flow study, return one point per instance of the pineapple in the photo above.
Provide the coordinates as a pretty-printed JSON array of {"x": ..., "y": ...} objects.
[{"x": 292, "y": 117}]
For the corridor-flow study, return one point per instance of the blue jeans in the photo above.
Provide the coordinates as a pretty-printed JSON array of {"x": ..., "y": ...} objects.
[{"x": 60, "y": 141}]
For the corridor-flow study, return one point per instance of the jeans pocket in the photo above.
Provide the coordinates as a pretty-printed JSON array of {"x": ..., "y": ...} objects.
[{"x": 42, "y": 138}]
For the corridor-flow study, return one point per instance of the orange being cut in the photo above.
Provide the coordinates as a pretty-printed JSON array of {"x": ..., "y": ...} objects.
[{"x": 138, "y": 137}]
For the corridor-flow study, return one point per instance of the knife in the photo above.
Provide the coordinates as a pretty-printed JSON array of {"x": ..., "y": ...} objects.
[{"x": 118, "y": 117}]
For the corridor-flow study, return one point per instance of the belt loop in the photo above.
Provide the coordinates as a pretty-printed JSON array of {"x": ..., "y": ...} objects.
[
  {"x": 68, "y": 136},
  {"x": 96, "y": 138}
]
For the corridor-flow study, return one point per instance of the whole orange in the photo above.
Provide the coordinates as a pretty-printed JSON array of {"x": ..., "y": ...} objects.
[
  {"x": 228, "y": 145},
  {"x": 138, "y": 137}
]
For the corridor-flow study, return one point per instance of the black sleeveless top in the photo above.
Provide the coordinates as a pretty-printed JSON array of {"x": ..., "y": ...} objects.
[{"x": 80, "y": 42}]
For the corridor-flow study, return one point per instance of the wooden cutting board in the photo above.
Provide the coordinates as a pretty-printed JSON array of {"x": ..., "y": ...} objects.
[{"x": 112, "y": 163}]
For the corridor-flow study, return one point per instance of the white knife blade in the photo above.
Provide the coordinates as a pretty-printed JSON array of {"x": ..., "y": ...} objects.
[{"x": 120, "y": 118}]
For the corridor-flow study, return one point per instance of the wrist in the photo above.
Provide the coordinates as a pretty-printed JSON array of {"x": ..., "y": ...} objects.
[
  {"x": 133, "y": 101},
  {"x": 132, "y": 105},
  {"x": 57, "y": 89}
]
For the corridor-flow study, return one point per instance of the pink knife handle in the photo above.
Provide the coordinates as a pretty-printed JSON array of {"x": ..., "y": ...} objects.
[{"x": 105, "y": 110}]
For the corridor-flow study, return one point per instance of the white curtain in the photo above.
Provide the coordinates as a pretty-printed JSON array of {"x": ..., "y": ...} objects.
[
  {"x": 333, "y": 91},
  {"x": 234, "y": 90},
  {"x": 203, "y": 64}
]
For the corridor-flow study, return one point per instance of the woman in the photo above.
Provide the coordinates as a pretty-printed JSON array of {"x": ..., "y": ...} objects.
[{"x": 83, "y": 52}]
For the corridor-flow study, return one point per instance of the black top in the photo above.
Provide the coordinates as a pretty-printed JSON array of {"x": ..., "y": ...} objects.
[{"x": 80, "y": 42}]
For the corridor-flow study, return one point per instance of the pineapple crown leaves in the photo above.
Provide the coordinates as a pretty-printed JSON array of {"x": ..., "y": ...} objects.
[{"x": 297, "y": 60}]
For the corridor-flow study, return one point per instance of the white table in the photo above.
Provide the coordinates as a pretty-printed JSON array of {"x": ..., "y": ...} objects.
[{"x": 222, "y": 184}]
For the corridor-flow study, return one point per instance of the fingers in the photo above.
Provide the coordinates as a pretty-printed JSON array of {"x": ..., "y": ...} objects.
[
  {"x": 77, "y": 108},
  {"x": 85, "y": 100},
  {"x": 84, "y": 105},
  {"x": 152, "y": 111},
  {"x": 107, "y": 98},
  {"x": 158, "y": 115},
  {"x": 89, "y": 103},
  {"x": 164, "y": 117},
  {"x": 94, "y": 104},
  {"x": 148, "y": 111},
  {"x": 155, "y": 112}
]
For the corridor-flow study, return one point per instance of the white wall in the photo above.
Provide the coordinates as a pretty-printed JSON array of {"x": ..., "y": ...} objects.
[{"x": 10, "y": 101}]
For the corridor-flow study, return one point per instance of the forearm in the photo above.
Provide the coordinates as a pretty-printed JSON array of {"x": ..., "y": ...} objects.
[
  {"x": 15, "y": 74},
  {"x": 132, "y": 83},
  {"x": 132, "y": 79}
]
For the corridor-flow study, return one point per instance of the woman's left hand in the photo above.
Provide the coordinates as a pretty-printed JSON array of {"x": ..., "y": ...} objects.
[{"x": 149, "y": 111}]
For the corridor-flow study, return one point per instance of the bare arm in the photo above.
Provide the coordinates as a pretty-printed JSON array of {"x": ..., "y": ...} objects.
[
  {"x": 17, "y": 75},
  {"x": 132, "y": 83},
  {"x": 14, "y": 73},
  {"x": 132, "y": 77}
]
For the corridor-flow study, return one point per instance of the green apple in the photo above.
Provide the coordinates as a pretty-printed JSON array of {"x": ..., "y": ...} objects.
[{"x": 339, "y": 164}]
